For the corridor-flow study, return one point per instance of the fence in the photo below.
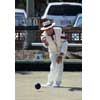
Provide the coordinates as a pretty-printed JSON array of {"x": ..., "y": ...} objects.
[
  {"x": 28, "y": 37},
  {"x": 74, "y": 35}
]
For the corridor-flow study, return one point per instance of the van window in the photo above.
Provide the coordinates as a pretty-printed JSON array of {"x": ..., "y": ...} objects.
[
  {"x": 19, "y": 16},
  {"x": 20, "y": 19},
  {"x": 79, "y": 22},
  {"x": 69, "y": 10}
]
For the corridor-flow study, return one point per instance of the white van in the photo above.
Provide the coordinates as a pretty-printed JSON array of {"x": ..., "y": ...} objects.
[
  {"x": 62, "y": 13},
  {"x": 20, "y": 17}
]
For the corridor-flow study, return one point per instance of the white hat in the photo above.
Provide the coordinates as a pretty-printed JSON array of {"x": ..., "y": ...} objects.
[{"x": 47, "y": 24}]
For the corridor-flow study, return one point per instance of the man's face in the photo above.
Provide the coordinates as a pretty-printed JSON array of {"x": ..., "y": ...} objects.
[{"x": 49, "y": 31}]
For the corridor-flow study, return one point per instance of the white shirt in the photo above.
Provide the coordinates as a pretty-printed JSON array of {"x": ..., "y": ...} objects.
[{"x": 59, "y": 44}]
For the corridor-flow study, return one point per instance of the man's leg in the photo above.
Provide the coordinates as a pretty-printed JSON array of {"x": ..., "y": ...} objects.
[
  {"x": 52, "y": 73},
  {"x": 59, "y": 73}
]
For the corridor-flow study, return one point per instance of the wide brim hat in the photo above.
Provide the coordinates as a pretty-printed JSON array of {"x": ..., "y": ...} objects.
[{"x": 47, "y": 25}]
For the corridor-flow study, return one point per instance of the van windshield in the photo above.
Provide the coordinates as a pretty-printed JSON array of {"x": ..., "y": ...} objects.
[
  {"x": 19, "y": 15},
  {"x": 20, "y": 18},
  {"x": 65, "y": 10},
  {"x": 79, "y": 22}
]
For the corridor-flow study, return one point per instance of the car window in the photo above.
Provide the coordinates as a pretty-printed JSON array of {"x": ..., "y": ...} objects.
[
  {"x": 19, "y": 15},
  {"x": 79, "y": 22},
  {"x": 69, "y": 10},
  {"x": 20, "y": 18}
]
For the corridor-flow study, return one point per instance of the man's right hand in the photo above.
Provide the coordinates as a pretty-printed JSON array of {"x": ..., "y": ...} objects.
[{"x": 45, "y": 41}]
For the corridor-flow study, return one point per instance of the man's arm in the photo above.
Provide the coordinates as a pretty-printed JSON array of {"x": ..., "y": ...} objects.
[
  {"x": 44, "y": 40},
  {"x": 64, "y": 45},
  {"x": 63, "y": 50}
]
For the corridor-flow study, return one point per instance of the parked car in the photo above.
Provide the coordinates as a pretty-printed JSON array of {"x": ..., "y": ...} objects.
[
  {"x": 20, "y": 17},
  {"x": 20, "y": 37},
  {"x": 62, "y": 13},
  {"x": 77, "y": 23}
]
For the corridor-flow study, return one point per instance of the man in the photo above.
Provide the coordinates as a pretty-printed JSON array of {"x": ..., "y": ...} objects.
[{"x": 56, "y": 42}]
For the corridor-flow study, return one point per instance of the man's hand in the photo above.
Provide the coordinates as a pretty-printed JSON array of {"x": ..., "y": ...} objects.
[
  {"x": 59, "y": 59},
  {"x": 45, "y": 41}
]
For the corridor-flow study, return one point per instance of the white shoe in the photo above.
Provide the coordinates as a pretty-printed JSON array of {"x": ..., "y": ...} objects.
[
  {"x": 56, "y": 84},
  {"x": 47, "y": 85}
]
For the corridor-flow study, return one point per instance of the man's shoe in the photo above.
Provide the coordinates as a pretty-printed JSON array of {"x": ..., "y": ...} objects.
[
  {"x": 47, "y": 85},
  {"x": 56, "y": 85}
]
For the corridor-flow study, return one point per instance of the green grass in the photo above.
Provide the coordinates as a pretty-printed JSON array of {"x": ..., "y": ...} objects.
[{"x": 48, "y": 60}]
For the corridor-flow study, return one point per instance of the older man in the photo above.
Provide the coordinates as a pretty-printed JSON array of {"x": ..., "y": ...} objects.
[{"x": 54, "y": 39}]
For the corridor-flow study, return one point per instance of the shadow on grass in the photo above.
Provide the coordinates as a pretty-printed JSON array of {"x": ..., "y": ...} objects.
[
  {"x": 72, "y": 88},
  {"x": 23, "y": 72},
  {"x": 69, "y": 88}
]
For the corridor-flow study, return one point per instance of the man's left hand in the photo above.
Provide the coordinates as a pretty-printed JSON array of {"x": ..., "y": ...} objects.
[{"x": 59, "y": 59}]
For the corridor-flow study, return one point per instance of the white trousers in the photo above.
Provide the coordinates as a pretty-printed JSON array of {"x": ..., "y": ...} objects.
[{"x": 56, "y": 70}]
